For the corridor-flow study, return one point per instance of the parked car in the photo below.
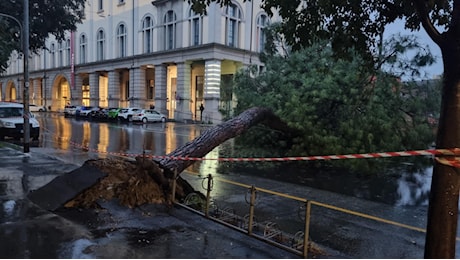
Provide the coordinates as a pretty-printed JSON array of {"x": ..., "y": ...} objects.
[
  {"x": 126, "y": 114},
  {"x": 149, "y": 115},
  {"x": 12, "y": 121},
  {"x": 69, "y": 111},
  {"x": 85, "y": 111},
  {"x": 99, "y": 114},
  {"x": 36, "y": 108},
  {"x": 113, "y": 113}
]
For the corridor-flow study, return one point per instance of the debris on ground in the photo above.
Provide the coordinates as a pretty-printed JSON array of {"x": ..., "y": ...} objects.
[{"x": 133, "y": 183}]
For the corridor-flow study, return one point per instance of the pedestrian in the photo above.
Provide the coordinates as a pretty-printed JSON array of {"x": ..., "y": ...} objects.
[
  {"x": 152, "y": 106},
  {"x": 201, "y": 110}
]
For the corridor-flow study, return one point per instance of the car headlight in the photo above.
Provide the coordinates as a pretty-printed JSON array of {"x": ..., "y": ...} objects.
[{"x": 7, "y": 124}]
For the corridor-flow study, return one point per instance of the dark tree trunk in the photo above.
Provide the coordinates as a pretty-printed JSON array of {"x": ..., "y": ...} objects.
[
  {"x": 218, "y": 134},
  {"x": 444, "y": 196}
]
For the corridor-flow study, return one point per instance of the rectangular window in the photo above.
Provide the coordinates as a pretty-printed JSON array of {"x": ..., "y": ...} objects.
[
  {"x": 170, "y": 37},
  {"x": 196, "y": 31},
  {"x": 231, "y": 33},
  {"x": 100, "y": 5},
  {"x": 83, "y": 54},
  {"x": 150, "y": 89}
]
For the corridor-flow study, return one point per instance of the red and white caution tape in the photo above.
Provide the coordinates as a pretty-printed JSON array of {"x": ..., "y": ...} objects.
[{"x": 429, "y": 152}]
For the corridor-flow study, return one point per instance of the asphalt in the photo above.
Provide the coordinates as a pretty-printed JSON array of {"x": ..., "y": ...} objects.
[{"x": 33, "y": 225}]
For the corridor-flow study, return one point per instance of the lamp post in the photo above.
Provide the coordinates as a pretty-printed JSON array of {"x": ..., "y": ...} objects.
[
  {"x": 24, "y": 39},
  {"x": 25, "y": 50}
]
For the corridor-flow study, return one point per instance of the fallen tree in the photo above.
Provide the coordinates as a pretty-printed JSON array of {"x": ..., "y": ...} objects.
[{"x": 141, "y": 181}]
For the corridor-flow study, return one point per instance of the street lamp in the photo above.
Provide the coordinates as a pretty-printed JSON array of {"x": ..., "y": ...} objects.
[{"x": 24, "y": 38}]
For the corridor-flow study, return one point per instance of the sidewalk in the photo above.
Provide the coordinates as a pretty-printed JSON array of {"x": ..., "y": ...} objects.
[{"x": 152, "y": 231}]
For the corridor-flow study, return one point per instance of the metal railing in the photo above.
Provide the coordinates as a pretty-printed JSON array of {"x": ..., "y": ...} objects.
[{"x": 295, "y": 241}]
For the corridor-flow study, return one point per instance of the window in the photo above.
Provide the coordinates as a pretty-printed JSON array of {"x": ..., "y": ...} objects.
[
  {"x": 100, "y": 50},
  {"x": 60, "y": 54},
  {"x": 83, "y": 48},
  {"x": 170, "y": 30},
  {"x": 121, "y": 40},
  {"x": 233, "y": 20},
  {"x": 100, "y": 5},
  {"x": 53, "y": 55},
  {"x": 67, "y": 52},
  {"x": 261, "y": 37},
  {"x": 196, "y": 25},
  {"x": 150, "y": 89},
  {"x": 147, "y": 34}
]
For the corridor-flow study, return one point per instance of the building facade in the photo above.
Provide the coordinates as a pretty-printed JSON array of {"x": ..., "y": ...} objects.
[{"x": 142, "y": 53}]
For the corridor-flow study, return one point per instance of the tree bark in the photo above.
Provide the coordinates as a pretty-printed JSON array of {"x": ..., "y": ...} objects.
[
  {"x": 218, "y": 134},
  {"x": 444, "y": 195}
]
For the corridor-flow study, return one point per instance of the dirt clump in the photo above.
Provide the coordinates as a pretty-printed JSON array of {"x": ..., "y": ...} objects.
[{"x": 133, "y": 183}]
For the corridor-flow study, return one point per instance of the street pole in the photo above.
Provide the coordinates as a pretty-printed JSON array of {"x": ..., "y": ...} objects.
[{"x": 25, "y": 50}]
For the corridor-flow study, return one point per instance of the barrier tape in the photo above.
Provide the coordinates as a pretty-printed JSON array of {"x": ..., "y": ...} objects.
[
  {"x": 454, "y": 161},
  {"x": 430, "y": 152}
]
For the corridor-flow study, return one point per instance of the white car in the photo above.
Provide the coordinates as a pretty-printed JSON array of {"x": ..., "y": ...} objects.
[
  {"x": 36, "y": 108},
  {"x": 12, "y": 121},
  {"x": 126, "y": 114},
  {"x": 149, "y": 115}
]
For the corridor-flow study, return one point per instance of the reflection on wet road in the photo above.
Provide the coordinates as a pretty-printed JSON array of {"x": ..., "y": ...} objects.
[{"x": 79, "y": 140}]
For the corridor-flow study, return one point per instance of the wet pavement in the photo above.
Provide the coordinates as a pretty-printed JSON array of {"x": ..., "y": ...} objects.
[
  {"x": 156, "y": 231},
  {"x": 152, "y": 231}
]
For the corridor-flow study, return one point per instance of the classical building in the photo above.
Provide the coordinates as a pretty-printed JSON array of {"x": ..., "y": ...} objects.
[{"x": 140, "y": 53}]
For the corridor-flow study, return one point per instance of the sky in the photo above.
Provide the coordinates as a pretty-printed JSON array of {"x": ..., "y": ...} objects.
[{"x": 432, "y": 71}]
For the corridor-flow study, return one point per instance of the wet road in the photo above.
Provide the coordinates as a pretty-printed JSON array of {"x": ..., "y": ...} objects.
[
  {"x": 353, "y": 236},
  {"x": 151, "y": 231}
]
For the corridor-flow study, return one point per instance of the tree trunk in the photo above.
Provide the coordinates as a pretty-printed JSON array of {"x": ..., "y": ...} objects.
[
  {"x": 444, "y": 196},
  {"x": 218, "y": 134}
]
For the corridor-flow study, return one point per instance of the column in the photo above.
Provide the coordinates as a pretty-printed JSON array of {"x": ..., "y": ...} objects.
[
  {"x": 160, "y": 88},
  {"x": 137, "y": 83},
  {"x": 183, "y": 90},
  {"x": 46, "y": 88},
  {"x": 76, "y": 93},
  {"x": 94, "y": 89},
  {"x": 114, "y": 89},
  {"x": 211, "y": 95},
  {"x": 36, "y": 91}
]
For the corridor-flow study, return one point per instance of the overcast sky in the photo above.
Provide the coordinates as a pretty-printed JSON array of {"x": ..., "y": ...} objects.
[{"x": 432, "y": 71}]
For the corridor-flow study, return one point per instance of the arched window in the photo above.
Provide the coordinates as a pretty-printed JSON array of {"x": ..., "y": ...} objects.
[
  {"x": 147, "y": 34},
  {"x": 121, "y": 40},
  {"x": 83, "y": 48},
  {"x": 232, "y": 22},
  {"x": 261, "y": 37},
  {"x": 60, "y": 54},
  {"x": 52, "y": 55},
  {"x": 170, "y": 30},
  {"x": 100, "y": 49},
  {"x": 196, "y": 25}
]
